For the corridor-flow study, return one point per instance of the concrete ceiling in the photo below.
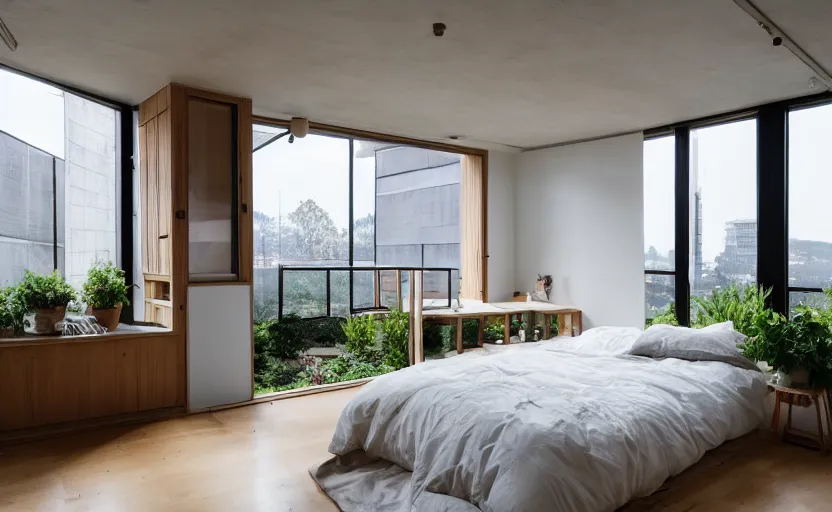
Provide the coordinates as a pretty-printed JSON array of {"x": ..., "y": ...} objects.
[{"x": 524, "y": 73}]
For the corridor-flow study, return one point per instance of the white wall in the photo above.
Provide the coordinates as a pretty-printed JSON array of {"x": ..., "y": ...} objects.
[
  {"x": 219, "y": 345},
  {"x": 500, "y": 226},
  {"x": 579, "y": 216}
]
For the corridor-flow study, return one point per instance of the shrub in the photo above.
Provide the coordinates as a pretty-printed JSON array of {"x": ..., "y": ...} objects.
[
  {"x": 666, "y": 315},
  {"x": 361, "y": 335},
  {"x": 744, "y": 307},
  {"x": 105, "y": 287},
  {"x": 7, "y": 319},
  {"x": 276, "y": 374},
  {"x": 396, "y": 329},
  {"x": 470, "y": 334},
  {"x": 42, "y": 292},
  {"x": 494, "y": 330},
  {"x": 437, "y": 339},
  {"x": 280, "y": 338},
  {"x": 345, "y": 367}
]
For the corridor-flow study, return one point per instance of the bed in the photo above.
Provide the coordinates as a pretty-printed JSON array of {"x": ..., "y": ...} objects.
[{"x": 558, "y": 425}]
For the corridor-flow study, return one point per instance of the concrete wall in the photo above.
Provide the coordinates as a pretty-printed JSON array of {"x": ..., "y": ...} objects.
[
  {"x": 90, "y": 186},
  {"x": 501, "y": 228},
  {"x": 417, "y": 212},
  {"x": 579, "y": 216},
  {"x": 27, "y": 239}
]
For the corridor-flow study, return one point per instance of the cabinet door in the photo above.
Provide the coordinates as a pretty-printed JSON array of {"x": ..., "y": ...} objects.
[
  {"x": 164, "y": 207},
  {"x": 149, "y": 192}
]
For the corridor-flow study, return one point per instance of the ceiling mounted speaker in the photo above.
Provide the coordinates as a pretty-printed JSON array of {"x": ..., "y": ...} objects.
[{"x": 299, "y": 126}]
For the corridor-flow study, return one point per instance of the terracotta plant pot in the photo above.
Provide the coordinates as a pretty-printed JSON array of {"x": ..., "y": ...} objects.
[
  {"x": 43, "y": 322},
  {"x": 106, "y": 318},
  {"x": 799, "y": 377}
]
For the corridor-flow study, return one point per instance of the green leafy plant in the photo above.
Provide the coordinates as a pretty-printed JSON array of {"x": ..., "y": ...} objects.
[
  {"x": 7, "y": 319},
  {"x": 436, "y": 339},
  {"x": 280, "y": 339},
  {"x": 470, "y": 334},
  {"x": 361, "y": 335},
  {"x": 105, "y": 287},
  {"x": 494, "y": 330},
  {"x": 666, "y": 315},
  {"x": 44, "y": 292},
  {"x": 396, "y": 329},
  {"x": 802, "y": 342},
  {"x": 743, "y": 307}
]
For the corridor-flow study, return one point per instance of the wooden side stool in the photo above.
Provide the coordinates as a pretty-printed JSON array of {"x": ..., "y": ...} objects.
[{"x": 791, "y": 395}]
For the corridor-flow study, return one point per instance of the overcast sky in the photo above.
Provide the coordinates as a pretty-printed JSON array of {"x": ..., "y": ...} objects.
[
  {"x": 33, "y": 112},
  {"x": 727, "y": 177},
  {"x": 314, "y": 167}
]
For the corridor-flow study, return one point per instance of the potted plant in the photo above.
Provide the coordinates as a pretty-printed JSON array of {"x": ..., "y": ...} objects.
[
  {"x": 104, "y": 293},
  {"x": 799, "y": 349},
  {"x": 45, "y": 299}
]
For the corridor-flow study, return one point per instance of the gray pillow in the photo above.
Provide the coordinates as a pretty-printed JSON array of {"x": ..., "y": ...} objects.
[{"x": 716, "y": 342}]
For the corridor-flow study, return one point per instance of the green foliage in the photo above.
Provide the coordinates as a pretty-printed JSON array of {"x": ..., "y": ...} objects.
[
  {"x": 495, "y": 330},
  {"x": 7, "y": 319},
  {"x": 105, "y": 287},
  {"x": 396, "y": 328},
  {"x": 40, "y": 292},
  {"x": 666, "y": 315},
  {"x": 275, "y": 373},
  {"x": 470, "y": 334},
  {"x": 802, "y": 342},
  {"x": 280, "y": 339},
  {"x": 361, "y": 335},
  {"x": 742, "y": 307},
  {"x": 12, "y": 309},
  {"x": 435, "y": 339}
]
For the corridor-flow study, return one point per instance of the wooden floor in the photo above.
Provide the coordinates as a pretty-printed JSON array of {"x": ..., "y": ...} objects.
[{"x": 256, "y": 458}]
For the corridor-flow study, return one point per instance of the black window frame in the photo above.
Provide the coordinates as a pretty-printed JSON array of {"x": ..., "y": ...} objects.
[
  {"x": 772, "y": 197},
  {"x": 125, "y": 136}
]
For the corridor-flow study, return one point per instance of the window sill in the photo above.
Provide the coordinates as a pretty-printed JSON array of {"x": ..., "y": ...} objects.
[{"x": 123, "y": 331}]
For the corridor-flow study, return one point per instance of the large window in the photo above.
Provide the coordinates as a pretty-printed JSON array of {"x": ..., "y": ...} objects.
[
  {"x": 659, "y": 229},
  {"x": 404, "y": 203},
  {"x": 809, "y": 226},
  {"x": 58, "y": 181},
  {"x": 756, "y": 188},
  {"x": 723, "y": 206}
]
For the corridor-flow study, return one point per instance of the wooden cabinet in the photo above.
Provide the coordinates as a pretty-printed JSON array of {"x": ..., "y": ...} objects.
[{"x": 155, "y": 190}]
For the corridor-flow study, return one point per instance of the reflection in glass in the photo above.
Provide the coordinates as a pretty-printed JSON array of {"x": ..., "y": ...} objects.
[
  {"x": 211, "y": 201},
  {"x": 659, "y": 292},
  {"x": 304, "y": 294},
  {"x": 723, "y": 206},
  {"x": 659, "y": 203},
  {"x": 817, "y": 300},
  {"x": 810, "y": 182}
]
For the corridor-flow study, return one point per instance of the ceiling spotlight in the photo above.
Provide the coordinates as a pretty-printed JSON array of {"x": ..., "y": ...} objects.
[
  {"x": 455, "y": 137},
  {"x": 814, "y": 83},
  {"x": 7, "y": 36},
  {"x": 439, "y": 29}
]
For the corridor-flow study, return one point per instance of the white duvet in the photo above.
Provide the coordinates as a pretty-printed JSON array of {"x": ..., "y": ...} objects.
[{"x": 556, "y": 426}]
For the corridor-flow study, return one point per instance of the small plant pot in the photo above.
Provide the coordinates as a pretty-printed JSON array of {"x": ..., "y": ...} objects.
[
  {"x": 799, "y": 377},
  {"x": 44, "y": 322},
  {"x": 6, "y": 332},
  {"x": 106, "y": 318}
]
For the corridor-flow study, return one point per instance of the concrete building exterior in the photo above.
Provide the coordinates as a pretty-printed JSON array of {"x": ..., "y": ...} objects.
[
  {"x": 60, "y": 213},
  {"x": 91, "y": 135}
]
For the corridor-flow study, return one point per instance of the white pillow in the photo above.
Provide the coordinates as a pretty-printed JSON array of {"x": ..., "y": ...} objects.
[
  {"x": 716, "y": 342},
  {"x": 611, "y": 341}
]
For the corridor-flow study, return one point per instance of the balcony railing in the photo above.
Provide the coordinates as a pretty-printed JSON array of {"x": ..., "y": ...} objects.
[{"x": 386, "y": 279}]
